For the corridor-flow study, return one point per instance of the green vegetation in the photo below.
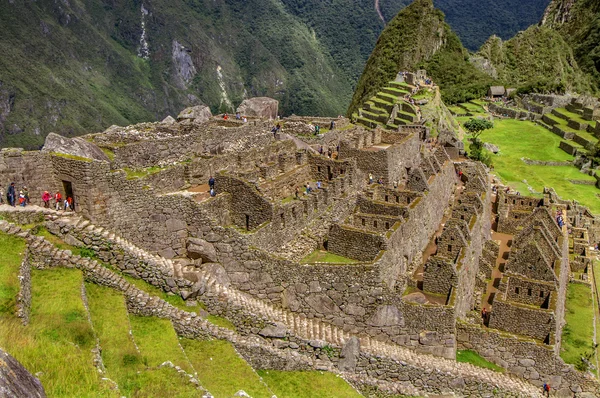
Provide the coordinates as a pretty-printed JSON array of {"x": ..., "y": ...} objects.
[
  {"x": 476, "y": 150},
  {"x": 11, "y": 256},
  {"x": 60, "y": 244},
  {"x": 141, "y": 173},
  {"x": 322, "y": 256},
  {"x": 474, "y": 358},
  {"x": 221, "y": 370},
  {"x": 517, "y": 140},
  {"x": 59, "y": 329},
  {"x": 307, "y": 384},
  {"x": 578, "y": 333}
]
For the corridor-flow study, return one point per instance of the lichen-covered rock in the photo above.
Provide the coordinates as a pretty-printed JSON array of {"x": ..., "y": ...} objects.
[
  {"x": 198, "y": 114},
  {"x": 16, "y": 381},
  {"x": 73, "y": 146},
  {"x": 262, "y": 107}
]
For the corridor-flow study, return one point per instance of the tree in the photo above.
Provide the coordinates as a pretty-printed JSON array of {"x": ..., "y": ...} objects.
[{"x": 475, "y": 127}]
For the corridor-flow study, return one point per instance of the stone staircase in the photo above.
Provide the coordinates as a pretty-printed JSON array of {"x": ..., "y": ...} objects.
[{"x": 310, "y": 329}]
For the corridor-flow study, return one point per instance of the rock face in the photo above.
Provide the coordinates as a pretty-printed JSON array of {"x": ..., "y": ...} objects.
[
  {"x": 73, "y": 146},
  {"x": 199, "y": 248},
  {"x": 263, "y": 107},
  {"x": 349, "y": 355},
  {"x": 16, "y": 381},
  {"x": 198, "y": 114}
]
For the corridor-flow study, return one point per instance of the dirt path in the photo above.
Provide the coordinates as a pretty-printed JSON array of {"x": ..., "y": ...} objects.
[{"x": 379, "y": 12}]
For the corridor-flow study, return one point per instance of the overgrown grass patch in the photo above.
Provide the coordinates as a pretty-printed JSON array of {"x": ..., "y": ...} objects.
[
  {"x": 307, "y": 384},
  {"x": 141, "y": 173},
  {"x": 322, "y": 256},
  {"x": 12, "y": 250},
  {"x": 222, "y": 371},
  {"x": 474, "y": 358},
  {"x": 578, "y": 333},
  {"x": 158, "y": 342}
]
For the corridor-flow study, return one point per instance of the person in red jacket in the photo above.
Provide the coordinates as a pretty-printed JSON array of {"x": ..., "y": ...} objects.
[
  {"x": 46, "y": 199},
  {"x": 57, "y": 200}
]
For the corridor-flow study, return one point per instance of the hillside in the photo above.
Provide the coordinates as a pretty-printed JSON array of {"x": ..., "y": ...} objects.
[
  {"x": 537, "y": 59},
  {"x": 82, "y": 66},
  {"x": 579, "y": 23},
  {"x": 418, "y": 37}
]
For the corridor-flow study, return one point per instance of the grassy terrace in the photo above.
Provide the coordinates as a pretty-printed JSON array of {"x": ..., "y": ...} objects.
[
  {"x": 221, "y": 370},
  {"x": 574, "y": 116},
  {"x": 307, "y": 384},
  {"x": 518, "y": 139},
  {"x": 322, "y": 256},
  {"x": 578, "y": 333},
  {"x": 474, "y": 358},
  {"x": 11, "y": 253}
]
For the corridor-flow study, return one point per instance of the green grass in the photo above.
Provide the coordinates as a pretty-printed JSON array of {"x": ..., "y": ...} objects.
[
  {"x": 220, "y": 321},
  {"x": 523, "y": 139},
  {"x": 60, "y": 244},
  {"x": 474, "y": 358},
  {"x": 321, "y": 256},
  {"x": 221, "y": 370},
  {"x": 307, "y": 384},
  {"x": 575, "y": 117},
  {"x": 59, "y": 339},
  {"x": 578, "y": 333},
  {"x": 11, "y": 256},
  {"x": 141, "y": 173},
  {"x": 157, "y": 341}
]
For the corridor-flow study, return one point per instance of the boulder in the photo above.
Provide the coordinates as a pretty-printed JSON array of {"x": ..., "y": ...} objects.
[
  {"x": 169, "y": 120},
  {"x": 387, "y": 315},
  {"x": 349, "y": 355},
  {"x": 76, "y": 146},
  {"x": 277, "y": 331},
  {"x": 261, "y": 107},
  {"x": 16, "y": 381},
  {"x": 198, "y": 114},
  {"x": 491, "y": 147},
  {"x": 199, "y": 248}
]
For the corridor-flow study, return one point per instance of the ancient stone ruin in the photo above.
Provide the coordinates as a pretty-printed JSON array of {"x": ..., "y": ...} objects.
[{"x": 420, "y": 245}]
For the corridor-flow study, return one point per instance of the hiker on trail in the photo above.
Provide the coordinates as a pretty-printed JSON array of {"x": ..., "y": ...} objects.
[
  {"x": 332, "y": 125},
  {"x": 317, "y": 129},
  {"x": 370, "y": 178},
  {"x": 46, "y": 199},
  {"x": 22, "y": 200},
  {"x": 546, "y": 389},
  {"x": 57, "y": 200},
  {"x": 10, "y": 194},
  {"x": 308, "y": 188}
]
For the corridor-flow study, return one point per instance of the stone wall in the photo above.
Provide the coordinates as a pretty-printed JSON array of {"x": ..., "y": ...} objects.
[
  {"x": 249, "y": 209},
  {"x": 527, "y": 291},
  {"x": 439, "y": 276},
  {"x": 509, "y": 317},
  {"x": 24, "y": 295},
  {"x": 355, "y": 243}
]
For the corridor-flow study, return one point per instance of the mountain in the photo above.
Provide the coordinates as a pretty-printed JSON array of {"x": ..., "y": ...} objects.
[
  {"x": 537, "y": 59},
  {"x": 83, "y": 65},
  {"x": 578, "y": 21},
  {"x": 416, "y": 38},
  {"x": 476, "y": 20}
]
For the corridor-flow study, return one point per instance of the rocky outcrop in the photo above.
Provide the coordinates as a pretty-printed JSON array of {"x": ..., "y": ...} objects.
[
  {"x": 183, "y": 64},
  {"x": 199, "y": 248},
  {"x": 262, "y": 107},
  {"x": 74, "y": 147},
  {"x": 198, "y": 114},
  {"x": 16, "y": 381}
]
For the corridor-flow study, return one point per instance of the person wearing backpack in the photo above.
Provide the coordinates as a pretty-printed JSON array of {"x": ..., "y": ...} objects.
[
  {"x": 546, "y": 389},
  {"x": 57, "y": 200}
]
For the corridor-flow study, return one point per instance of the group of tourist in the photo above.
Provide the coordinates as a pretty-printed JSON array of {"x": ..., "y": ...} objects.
[
  {"x": 238, "y": 116},
  {"x": 22, "y": 198},
  {"x": 380, "y": 181},
  {"x": 331, "y": 154}
]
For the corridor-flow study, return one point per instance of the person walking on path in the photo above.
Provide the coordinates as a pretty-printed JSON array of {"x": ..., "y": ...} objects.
[
  {"x": 26, "y": 194},
  {"x": 11, "y": 194},
  {"x": 57, "y": 200},
  {"x": 46, "y": 199}
]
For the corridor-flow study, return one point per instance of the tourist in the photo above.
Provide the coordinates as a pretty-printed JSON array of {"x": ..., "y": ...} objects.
[
  {"x": 308, "y": 188},
  {"x": 1, "y": 196},
  {"x": 212, "y": 192},
  {"x": 329, "y": 153},
  {"x": 22, "y": 199},
  {"x": 57, "y": 200},
  {"x": 65, "y": 205},
  {"x": 70, "y": 202},
  {"x": 546, "y": 389},
  {"x": 211, "y": 182},
  {"x": 297, "y": 192},
  {"x": 225, "y": 116},
  {"x": 10, "y": 194},
  {"x": 46, "y": 199},
  {"x": 395, "y": 184},
  {"x": 484, "y": 314},
  {"x": 380, "y": 181},
  {"x": 237, "y": 116},
  {"x": 370, "y": 178},
  {"x": 26, "y": 194},
  {"x": 332, "y": 125},
  {"x": 317, "y": 129},
  {"x": 245, "y": 120},
  {"x": 319, "y": 184},
  {"x": 321, "y": 150}
]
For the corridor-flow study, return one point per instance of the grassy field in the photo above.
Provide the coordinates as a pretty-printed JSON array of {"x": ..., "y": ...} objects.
[
  {"x": 577, "y": 336},
  {"x": 518, "y": 139},
  {"x": 11, "y": 254},
  {"x": 322, "y": 256},
  {"x": 222, "y": 371},
  {"x": 474, "y": 358},
  {"x": 307, "y": 384}
]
